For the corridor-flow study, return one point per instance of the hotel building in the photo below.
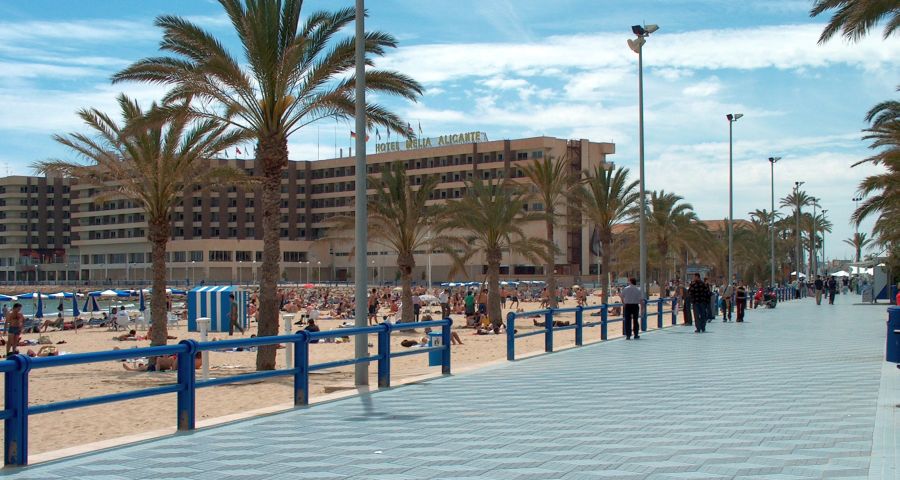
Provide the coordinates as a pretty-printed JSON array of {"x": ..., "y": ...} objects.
[{"x": 217, "y": 234}]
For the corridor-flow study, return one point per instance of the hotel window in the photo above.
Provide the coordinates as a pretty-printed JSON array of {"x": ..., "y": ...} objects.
[
  {"x": 196, "y": 255},
  {"x": 219, "y": 256},
  {"x": 294, "y": 256},
  {"x": 242, "y": 256},
  {"x": 116, "y": 258},
  {"x": 179, "y": 256},
  {"x": 197, "y": 232},
  {"x": 248, "y": 203},
  {"x": 537, "y": 207},
  {"x": 215, "y": 233},
  {"x": 139, "y": 257},
  {"x": 251, "y": 232},
  {"x": 98, "y": 259},
  {"x": 522, "y": 156},
  {"x": 537, "y": 154},
  {"x": 232, "y": 232}
]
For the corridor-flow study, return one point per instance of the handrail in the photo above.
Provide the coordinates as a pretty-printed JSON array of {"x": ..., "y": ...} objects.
[{"x": 17, "y": 368}]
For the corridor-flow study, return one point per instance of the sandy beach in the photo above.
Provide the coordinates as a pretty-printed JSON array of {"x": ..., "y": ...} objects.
[{"x": 71, "y": 428}]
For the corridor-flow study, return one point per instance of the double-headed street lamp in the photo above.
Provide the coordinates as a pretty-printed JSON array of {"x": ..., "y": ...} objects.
[
  {"x": 857, "y": 200},
  {"x": 732, "y": 117},
  {"x": 772, "y": 161},
  {"x": 824, "y": 260},
  {"x": 797, "y": 259},
  {"x": 637, "y": 46}
]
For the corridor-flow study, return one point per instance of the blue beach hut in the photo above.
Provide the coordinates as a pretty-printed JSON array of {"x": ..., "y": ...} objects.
[{"x": 214, "y": 302}]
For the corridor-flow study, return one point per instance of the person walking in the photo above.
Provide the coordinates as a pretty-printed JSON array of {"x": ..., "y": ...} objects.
[
  {"x": 14, "y": 323},
  {"x": 444, "y": 299},
  {"x": 820, "y": 285},
  {"x": 233, "y": 317},
  {"x": 699, "y": 293},
  {"x": 417, "y": 305},
  {"x": 727, "y": 295},
  {"x": 832, "y": 290},
  {"x": 685, "y": 297},
  {"x": 740, "y": 301},
  {"x": 631, "y": 298},
  {"x": 712, "y": 300}
]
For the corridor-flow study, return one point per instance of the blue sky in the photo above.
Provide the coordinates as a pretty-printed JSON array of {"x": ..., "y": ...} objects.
[{"x": 523, "y": 68}]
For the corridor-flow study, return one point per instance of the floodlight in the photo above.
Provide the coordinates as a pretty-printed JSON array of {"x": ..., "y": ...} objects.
[
  {"x": 651, "y": 28},
  {"x": 774, "y": 159},
  {"x": 635, "y": 44},
  {"x": 638, "y": 30}
]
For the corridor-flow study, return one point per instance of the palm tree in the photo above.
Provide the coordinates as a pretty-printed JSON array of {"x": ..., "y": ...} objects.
[
  {"x": 489, "y": 219},
  {"x": 607, "y": 199},
  {"x": 855, "y": 18},
  {"x": 293, "y": 74},
  {"x": 796, "y": 200},
  {"x": 670, "y": 224},
  {"x": 554, "y": 183},
  {"x": 151, "y": 162},
  {"x": 859, "y": 242},
  {"x": 400, "y": 217}
]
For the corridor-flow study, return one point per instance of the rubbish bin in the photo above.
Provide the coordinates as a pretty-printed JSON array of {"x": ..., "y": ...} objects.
[
  {"x": 435, "y": 357},
  {"x": 892, "y": 350}
]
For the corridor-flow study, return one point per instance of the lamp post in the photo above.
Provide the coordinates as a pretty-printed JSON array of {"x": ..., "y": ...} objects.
[
  {"x": 732, "y": 117},
  {"x": 193, "y": 271},
  {"x": 318, "y": 271},
  {"x": 824, "y": 261},
  {"x": 797, "y": 259},
  {"x": 772, "y": 161},
  {"x": 637, "y": 46},
  {"x": 857, "y": 200},
  {"x": 813, "y": 267}
]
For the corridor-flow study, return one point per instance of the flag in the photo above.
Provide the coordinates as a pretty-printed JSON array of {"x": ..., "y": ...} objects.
[
  {"x": 353, "y": 135},
  {"x": 226, "y": 153},
  {"x": 420, "y": 127},
  {"x": 409, "y": 129},
  {"x": 377, "y": 134},
  {"x": 237, "y": 150}
]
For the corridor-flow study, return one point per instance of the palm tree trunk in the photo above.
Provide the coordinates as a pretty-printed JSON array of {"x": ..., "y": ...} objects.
[
  {"x": 605, "y": 247},
  {"x": 158, "y": 233},
  {"x": 551, "y": 266},
  {"x": 406, "y": 262},
  {"x": 273, "y": 154},
  {"x": 494, "y": 257}
]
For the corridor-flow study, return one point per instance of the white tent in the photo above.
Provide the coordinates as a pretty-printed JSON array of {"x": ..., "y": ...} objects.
[
  {"x": 802, "y": 275},
  {"x": 840, "y": 274}
]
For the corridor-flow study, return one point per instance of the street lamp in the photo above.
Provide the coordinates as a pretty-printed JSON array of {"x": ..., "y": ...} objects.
[
  {"x": 813, "y": 266},
  {"x": 824, "y": 261},
  {"x": 637, "y": 46},
  {"x": 240, "y": 266},
  {"x": 797, "y": 259},
  {"x": 193, "y": 271},
  {"x": 772, "y": 161},
  {"x": 857, "y": 200},
  {"x": 318, "y": 271},
  {"x": 732, "y": 117}
]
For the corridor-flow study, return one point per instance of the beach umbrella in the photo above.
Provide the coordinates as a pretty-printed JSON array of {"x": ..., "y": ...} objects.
[
  {"x": 142, "y": 306},
  {"x": 39, "y": 313},
  {"x": 7, "y": 298},
  {"x": 75, "y": 312},
  {"x": 90, "y": 304}
]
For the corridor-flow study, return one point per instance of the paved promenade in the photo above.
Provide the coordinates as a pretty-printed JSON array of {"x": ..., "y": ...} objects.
[{"x": 790, "y": 395}]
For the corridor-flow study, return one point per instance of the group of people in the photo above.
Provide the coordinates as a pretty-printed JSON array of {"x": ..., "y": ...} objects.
[{"x": 829, "y": 287}]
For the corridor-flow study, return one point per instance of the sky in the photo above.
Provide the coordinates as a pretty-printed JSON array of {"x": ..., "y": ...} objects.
[{"x": 515, "y": 69}]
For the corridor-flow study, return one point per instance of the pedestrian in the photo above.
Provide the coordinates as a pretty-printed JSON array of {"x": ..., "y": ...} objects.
[
  {"x": 727, "y": 295},
  {"x": 832, "y": 290},
  {"x": 469, "y": 302},
  {"x": 417, "y": 305},
  {"x": 233, "y": 317},
  {"x": 372, "y": 304},
  {"x": 631, "y": 299},
  {"x": 685, "y": 297},
  {"x": 741, "y": 302},
  {"x": 699, "y": 293},
  {"x": 820, "y": 285},
  {"x": 14, "y": 323},
  {"x": 712, "y": 301},
  {"x": 444, "y": 299}
]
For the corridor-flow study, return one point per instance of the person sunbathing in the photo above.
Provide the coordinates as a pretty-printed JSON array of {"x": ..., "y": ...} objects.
[
  {"x": 162, "y": 363},
  {"x": 556, "y": 323},
  {"x": 131, "y": 335},
  {"x": 45, "y": 351}
]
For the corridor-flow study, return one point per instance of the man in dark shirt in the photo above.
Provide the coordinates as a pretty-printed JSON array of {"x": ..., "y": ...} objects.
[
  {"x": 699, "y": 293},
  {"x": 741, "y": 302},
  {"x": 820, "y": 285},
  {"x": 233, "y": 317},
  {"x": 832, "y": 290}
]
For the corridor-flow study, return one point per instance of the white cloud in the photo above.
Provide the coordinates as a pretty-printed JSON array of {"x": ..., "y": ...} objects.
[
  {"x": 778, "y": 46},
  {"x": 705, "y": 88},
  {"x": 505, "y": 83}
]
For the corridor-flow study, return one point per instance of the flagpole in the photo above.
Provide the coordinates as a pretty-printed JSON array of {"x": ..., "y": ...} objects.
[{"x": 360, "y": 274}]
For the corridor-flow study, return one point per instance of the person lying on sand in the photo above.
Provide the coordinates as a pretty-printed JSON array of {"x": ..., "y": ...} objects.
[
  {"x": 162, "y": 363},
  {"x": 131, "y": 335},
  {"x": 45, "y": 351},
  {"x": 556, "y": 323}
]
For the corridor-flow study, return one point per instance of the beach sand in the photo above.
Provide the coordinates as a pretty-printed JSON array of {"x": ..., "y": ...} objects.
[{"x": 71, "y": 428}]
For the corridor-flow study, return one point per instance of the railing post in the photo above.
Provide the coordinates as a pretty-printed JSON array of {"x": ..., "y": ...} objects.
[
  {"x": 659, "y": 314},
  {"x": 511, "y": 336},
  {"x": 187, "y": 396},
  {"x": 288, "y": 319},
  {"x": 579, "y": 325},
  {"x": 446, "y": 338},
  {"x": 674, "y": 310},
  {"x": 301, "y": 369},
  {"x": 15, "y": 437},
  {"x": 604, "y": 321},
  {"x": 548, "y": 326},
  {"x": 384, "y": 356},
  {"x": 643, "y": 316}
]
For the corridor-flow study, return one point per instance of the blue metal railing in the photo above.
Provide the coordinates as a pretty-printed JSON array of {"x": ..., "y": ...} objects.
[
  {"x": 580, "y": 324},
  {"x": 17, "y": 368}
]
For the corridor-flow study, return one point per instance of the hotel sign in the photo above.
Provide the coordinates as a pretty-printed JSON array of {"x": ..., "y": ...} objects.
[{"x": 440, "y": 141}]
